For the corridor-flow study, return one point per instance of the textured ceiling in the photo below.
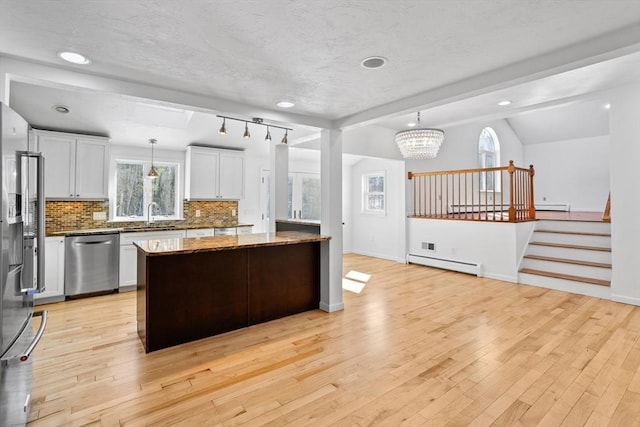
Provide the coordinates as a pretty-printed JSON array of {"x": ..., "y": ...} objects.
[{"x": 261, "y": 51}]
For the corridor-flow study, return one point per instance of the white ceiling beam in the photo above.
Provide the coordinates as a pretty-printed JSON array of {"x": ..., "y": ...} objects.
[
  {"x": 37, "y": 73},
  {"x": 589, "y": 52}
]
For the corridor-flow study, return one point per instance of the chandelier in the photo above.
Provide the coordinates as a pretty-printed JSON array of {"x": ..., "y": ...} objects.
[{"x": 419, "y": 143}]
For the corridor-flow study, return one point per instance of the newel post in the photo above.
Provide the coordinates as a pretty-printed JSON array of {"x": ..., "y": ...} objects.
[
  {"x": 512, "y": 208},
  {"x": 532, "y": 207}
]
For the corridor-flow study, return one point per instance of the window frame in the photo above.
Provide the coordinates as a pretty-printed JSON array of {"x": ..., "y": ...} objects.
[
  {"x": 366, "y": 193},
  {"x": 482, "y": 160},
  {"x": 146, "y": 192}
]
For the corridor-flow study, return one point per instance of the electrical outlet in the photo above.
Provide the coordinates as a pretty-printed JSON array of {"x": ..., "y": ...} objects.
[
  {"x": 233, "y": 212},
  {"x": 197, "y": 213},
  {"x": 99, "y": 216}
]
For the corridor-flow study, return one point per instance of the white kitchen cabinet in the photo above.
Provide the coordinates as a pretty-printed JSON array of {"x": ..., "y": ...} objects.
[
  {"x": 129, "y": 254},
  {"x": 53, "y": 271},
  {"x": 76, "y": 166},
  {"x": 213, "y": 174}
]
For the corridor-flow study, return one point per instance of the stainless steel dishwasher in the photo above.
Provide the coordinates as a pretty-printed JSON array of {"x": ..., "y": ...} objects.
[{"x": 91, "y": 263}]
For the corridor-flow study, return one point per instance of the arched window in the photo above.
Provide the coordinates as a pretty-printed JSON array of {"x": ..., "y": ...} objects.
[{"x": 489, "y": 157}]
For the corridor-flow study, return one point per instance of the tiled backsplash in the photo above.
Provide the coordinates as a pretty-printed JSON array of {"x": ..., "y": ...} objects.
[{"x": 78, "y": 215}]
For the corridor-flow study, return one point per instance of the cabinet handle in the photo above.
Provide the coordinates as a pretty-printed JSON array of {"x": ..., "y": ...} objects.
[
  {"x": 70, "y": 195},
  {"x": 77, "y": 195}
]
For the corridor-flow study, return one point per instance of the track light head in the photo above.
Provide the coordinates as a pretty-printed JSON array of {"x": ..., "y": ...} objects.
[
  {"x": 284, "y": 138},
  {"x": 223, "y": 128},
  {"x": 246, "y": 135},
  {"x": 268, "y": 136}
]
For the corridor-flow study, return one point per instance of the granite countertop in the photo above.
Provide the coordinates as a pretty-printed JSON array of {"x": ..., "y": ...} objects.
[
  {"x": 143, "y": 228},
  {"x": 219, "y": 243}
]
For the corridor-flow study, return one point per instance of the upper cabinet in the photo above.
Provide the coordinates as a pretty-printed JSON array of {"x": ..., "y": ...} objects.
[
  {"x": 214, "y": 174},
  {"x": 76, "y": 166}
]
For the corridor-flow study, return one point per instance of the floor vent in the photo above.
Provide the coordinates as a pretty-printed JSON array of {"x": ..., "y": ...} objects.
[{"x": 447, "y": 264}]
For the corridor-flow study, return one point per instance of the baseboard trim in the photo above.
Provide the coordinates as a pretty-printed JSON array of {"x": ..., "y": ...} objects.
[
  {"x": 500, "y": 277},
  {"x": 330, "y": 308},
  {"x": 625, "y": 299},
  {"x": 374, "y": 255}
]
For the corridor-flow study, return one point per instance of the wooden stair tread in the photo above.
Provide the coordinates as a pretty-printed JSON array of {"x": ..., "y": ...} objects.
[
  {"x": 569, "y": 261},
  {"x": 563, "y": 245},
  {"x": 566, "y": 277},
  {"x": 577, "y": 233}
]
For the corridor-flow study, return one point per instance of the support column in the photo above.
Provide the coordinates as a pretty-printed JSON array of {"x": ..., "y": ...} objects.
[
  {"x": 331, "y": 219},
  {"x": 278, "y": 183},
  {"x": 624, "y": 143}
]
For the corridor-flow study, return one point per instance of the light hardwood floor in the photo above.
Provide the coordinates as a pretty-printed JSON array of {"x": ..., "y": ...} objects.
[{"x": 418, "y": 346}]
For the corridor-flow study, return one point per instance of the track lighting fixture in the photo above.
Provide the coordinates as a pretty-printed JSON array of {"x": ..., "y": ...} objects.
[
  {"x": 254, "y": 121},
  {"x": 153, "y": 173}
]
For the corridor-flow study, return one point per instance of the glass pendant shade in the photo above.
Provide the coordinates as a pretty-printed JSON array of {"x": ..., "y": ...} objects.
[{"x": 153, "y": 173}]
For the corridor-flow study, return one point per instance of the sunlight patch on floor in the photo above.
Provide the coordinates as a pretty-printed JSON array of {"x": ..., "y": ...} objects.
[{"x": 354, "y": 281}]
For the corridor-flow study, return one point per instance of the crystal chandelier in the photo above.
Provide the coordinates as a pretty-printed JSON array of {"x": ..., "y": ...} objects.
[{"x": 419, "y": 143}]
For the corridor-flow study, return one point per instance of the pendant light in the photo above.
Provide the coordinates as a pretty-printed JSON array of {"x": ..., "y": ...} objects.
[
  {"x": 246, "y": 135},
  {"x": 153, "y": 173},
  {"x": 422, "y": 143},
  {"x": 223, "y": 128},
  {"x": 268, "y": 137}
]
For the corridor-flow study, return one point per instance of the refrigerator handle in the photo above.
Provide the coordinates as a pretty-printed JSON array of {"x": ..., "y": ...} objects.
[
  {"x": 41, "y": 222},
  {"x": 36, "y": 339}
]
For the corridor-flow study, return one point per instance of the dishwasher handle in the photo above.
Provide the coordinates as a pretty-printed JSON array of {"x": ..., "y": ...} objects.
[{"x": 99, "y": 242}]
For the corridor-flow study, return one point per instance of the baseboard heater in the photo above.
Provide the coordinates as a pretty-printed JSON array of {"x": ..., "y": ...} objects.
[
  {"x": 446, "y": 264},
  {"x": 563, "y": 207}
]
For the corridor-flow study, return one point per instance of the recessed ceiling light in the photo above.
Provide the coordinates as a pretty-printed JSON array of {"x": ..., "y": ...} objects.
[
  {"x": 285, "y": 104},
  {"x": 607, "y": 106},
  {"x": 504, "y": 103},
  {"x": 60, "y": 109},
  {"x": 373, "y": 62},
  {"x": 74, "y": 58},
  {"x": 411, "y": 124}
]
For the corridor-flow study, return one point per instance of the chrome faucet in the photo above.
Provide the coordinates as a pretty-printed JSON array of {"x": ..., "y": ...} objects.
[{"x": 150, "y": 207}]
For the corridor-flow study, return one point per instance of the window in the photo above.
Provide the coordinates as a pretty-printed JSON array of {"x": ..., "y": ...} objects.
[
  {"x": 134, "y": 191},
  {"x": 373, "y": 194},
  {"x": 489, "y": 157}
]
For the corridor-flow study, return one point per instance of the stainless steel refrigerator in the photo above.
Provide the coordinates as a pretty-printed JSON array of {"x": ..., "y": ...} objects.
[{"x": 21, "y": 264}]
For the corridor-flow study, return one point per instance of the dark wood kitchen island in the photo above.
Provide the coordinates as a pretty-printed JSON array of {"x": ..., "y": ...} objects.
[{"x": 193, "y": 288}]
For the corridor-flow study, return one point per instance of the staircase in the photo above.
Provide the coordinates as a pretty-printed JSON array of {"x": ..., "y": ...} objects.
[{"x": 572, "y": 256}]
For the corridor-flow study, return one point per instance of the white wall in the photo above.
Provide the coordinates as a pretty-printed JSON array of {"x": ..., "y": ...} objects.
[
  {"x": 381, "y": 236},
  {"x": 347, "y": 215},
  {"x": 624, "y": 128},
  {"x": 497, "y": 247},
  {"x": 574, "y": 171}
]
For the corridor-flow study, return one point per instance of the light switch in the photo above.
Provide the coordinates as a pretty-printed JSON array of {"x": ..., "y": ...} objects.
[
  {"x": 197, "y": 213},
  {"x": 99, "y": 216}
]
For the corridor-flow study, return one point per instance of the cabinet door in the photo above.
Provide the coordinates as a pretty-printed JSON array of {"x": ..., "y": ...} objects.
[
  {"x": 59, "y": 166},
  {"x": 92, "y": 162},
  {"x": 128, "y": 265},
  {"x": 53, "y": 268},
  {"x": 231, "y": 175},
  {"x": 202, "y": 173}
]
